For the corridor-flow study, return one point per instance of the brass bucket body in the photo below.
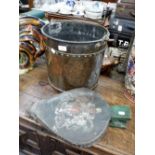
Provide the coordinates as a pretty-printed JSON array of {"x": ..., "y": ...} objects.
[{"x": 74, "y": 53}]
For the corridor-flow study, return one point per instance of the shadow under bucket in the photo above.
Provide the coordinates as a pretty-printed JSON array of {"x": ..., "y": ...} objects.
[{"x": 74, "y": 53}]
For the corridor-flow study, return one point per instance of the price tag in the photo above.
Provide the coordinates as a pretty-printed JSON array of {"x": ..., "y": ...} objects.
[
  {"x": 62, "y": 48},
  {"x": 122, "y": 113}
]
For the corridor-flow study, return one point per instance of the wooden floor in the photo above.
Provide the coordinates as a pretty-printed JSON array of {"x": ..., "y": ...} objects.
[{"x": 34, "y": 87}]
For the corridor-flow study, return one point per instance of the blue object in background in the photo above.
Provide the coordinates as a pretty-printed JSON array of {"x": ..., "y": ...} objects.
[
  {"x": 70, "y": 3},
  {"x": 35, "y": 13}
]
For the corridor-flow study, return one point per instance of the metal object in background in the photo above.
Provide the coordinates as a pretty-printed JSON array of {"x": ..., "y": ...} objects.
[
  {"x": 126, "y": 9},
  {"x": 80, "y": 116},
  {"x": 122, "y": 31},
  {"x": 74, "y": 52}
]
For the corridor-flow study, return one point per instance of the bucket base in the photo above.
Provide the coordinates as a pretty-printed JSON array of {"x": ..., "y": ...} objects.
[{"x": 60, "y": 90}]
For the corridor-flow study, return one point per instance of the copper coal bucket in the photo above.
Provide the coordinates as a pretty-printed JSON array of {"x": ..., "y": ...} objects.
[{"x": 74, "y": 53}]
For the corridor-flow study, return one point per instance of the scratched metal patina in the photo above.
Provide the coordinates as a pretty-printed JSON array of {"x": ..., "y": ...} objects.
[
  {"x": 74, "y": 53},
  {"x": 79, "y": 116}
]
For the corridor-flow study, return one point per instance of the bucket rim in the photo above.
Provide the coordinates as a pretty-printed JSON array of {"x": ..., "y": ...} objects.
[{"x": 104, "y": 38}]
